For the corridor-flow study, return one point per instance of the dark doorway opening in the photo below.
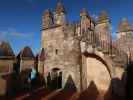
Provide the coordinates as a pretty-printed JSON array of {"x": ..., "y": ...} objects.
[{"x": 54, "y": 79}]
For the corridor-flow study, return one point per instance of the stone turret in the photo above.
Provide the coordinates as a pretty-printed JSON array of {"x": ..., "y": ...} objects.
[
  {"x": 47, "y": 19},
  {"x": 26, "y": 59},
  {"x": 60, "y": 14},
  {"x": 87, "y": 26},
  {"x": 86, "y": 21},
  {"x": 84, "y": 12},
  {"x": 26, "y": 62},
  {"x": 103, "y": 31},
  {"x": 103, "y": 18},
  {"x": 125, "y": 29},
  {"x": 124, "y": 37}
]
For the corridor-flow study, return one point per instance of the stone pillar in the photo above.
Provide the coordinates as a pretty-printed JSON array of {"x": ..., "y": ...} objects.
[{"x": 84, "y": 73}]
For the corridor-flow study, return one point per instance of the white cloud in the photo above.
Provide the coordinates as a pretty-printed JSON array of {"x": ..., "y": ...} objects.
[
  {"x": 22, "y": 35},
  {"x": 12, "y": 32}
]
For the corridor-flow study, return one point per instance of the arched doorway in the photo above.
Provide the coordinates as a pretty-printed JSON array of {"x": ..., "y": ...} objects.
[
  {"x": 54, "y": 79},
  {"x": 98, "y": 72}
]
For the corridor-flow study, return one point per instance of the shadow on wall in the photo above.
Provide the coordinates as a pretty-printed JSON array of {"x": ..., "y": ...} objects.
[
  {"x": 129, "y": 86},
  {"x": 70, "y": 85},
  {"x": 115, "y": 92},
  {"x": 34, "y": 83},
  {"x": 6, "y": 86},
  {"x": 117, "y": 89},
  {"x": 54, "y": 80},
  {"x": 91, "y": 92},
  {"x": 16, "y": 84},
  {"x": 68, "y": 90}
]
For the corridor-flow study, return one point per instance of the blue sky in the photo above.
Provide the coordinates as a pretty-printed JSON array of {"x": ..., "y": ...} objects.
[{"x": 20, "y": 20}]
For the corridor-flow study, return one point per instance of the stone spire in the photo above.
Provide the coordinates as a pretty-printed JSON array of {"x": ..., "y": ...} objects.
[
  {"x": 103, "y": 31},
  {"x": 124, "y": 26},
  {"x": 47, "y": 20},
  {"x": 60, "y": 8},
  {"x": 84, "y": 20},
  {"x": 125, "y": 30},
  {"x": 60, "y": 14},
  {"x": 84, "y": 12},
  {"x": 103, "y": 17},
  {"x": 86, "y": 27}
]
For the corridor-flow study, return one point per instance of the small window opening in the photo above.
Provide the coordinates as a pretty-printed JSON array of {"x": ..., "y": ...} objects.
[{"x": 56, "y": 51}]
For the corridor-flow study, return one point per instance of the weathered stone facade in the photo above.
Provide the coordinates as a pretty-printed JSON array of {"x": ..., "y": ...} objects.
[
  {"x": 63, "y": 52},
  {"x": 84, "y": 50},
  {"x": 25, "y": 59},
  {"x": 74, "y": 54},
  {"x": 40, "y": 59},
  {"x": 7, "y": 59},
  {"x": 124, "y": 39}
]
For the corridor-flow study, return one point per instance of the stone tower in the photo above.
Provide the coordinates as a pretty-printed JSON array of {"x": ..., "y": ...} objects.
[
  {"x": 47, "y": 20},
  {"x": 124, "y": 37},
  {"x": 124, "y": 29},
  {"x": 87, "y": 27},
  {"x": 72, "y": 55},
  {"x": 62, "y": 52},
  {"x": 86, "y": 22},
  {"x": 102, "y": 30},
  {"x": 60, "y": 14}
]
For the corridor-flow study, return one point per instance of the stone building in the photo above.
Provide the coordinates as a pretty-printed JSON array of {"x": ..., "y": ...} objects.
[
  {"x": 7, "y": 59},
  {"x": 74, "y": 55},
  {"x": 25, "y": 62},
  {"x": 26, "y": 59},
  {"x": 103, "y": 30},
  {"x": 62, "y": 50},
  {"x": 40, "y": 59},
  {"x": 83, "y": 51}
]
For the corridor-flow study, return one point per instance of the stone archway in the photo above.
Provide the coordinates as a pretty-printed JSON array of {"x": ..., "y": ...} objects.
[
  {"x": 54, "y": 79},
  {"x": 97, "y": 70}
]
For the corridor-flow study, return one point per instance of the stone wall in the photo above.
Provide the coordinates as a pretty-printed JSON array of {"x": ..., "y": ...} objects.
[
  {"x": 62, "y": 52},
  {"x": 26, "y": 64},
  {"x": 41, "y": 67},
  {"x": 6, "y": 66},
  {"x": 119, "y": 82},
  {"x": 2, "y": 86},
  {"x": 6, "y": 69},
  {"x": 96, "y": 71}
]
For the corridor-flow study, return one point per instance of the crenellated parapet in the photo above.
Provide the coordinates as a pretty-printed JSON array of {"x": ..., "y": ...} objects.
[
  {"x": 52, "y": 19},
  {"x": 60, "y": 14}
]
